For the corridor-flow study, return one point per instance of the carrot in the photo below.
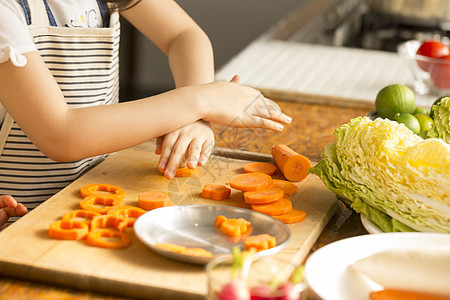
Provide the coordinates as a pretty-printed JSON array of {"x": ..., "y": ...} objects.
[
  {"x": 68, "y": 230},
  {"x": 81, "y": 215},
  {"x": 108, "y": 238},
  {"x": 263, "y": 196},
  {"x": 185, "y": 250},
  {"x": 260, "y": 242},
  {"x": 219, "y": 220},
  {"x": 293, "y": 165},
  {"x": 130, "y": 213},
  {"x": 234, "y": 227},
  {"x": 250, "y": 181},
  {"x": 294, "y": 216},
  {"x": 101, "y": 189},
  {"x": 109, "y": 221},
  {"x": 215, "y": 192},
  {"x": 186, "y": 172},
  {"x": 100, "y": 203},
  {"x": 171, "y": 247},
  {"x": 262, "y": 167},
  {"x": 154, "y": 199},
  {"x": 288, "y": 187},
  {"x": 279, "y": 207},
  {"x": 391, "y": 294}
]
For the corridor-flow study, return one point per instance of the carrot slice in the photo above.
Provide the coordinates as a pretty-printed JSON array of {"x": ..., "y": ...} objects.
[
  {"x": 262, "y": 167},
  {"x": 68, "y": 230},
  {"x": 130, "y": 213},
  {"x": 288, "y": 187},
  {"x": 197, "y": 252},
  {"x": 216, "y": 192},
  {"x": 260, "y": 242},
  {"x": 250, "y": 181},
  {"x": 392, "y": 294},
  {"x": 263, "y": 196},
  {"x": 154, "y": 199},
  {"x": 234, "y": 227},
  {"x": 293, "y": 165},
  {"x": 101, "y": 189},
  {"x": 184, "y": 250},
  {"x": 108, "y": 238},
  {"x": 294, "y": 216},
  {"x": 279, "y": 207},
  {"x": 219, "y": 220},
  {"x": 186, "y": 172},
  {"x": 109, "y": 221},
  {"x": 100, "y": 203},
  {"x": 171, "y": 247},
  {"x": 81, "y": 215}
]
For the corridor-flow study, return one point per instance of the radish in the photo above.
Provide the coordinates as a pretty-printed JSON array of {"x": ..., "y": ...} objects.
[
  {"x": 261, "y": 292},
  {"x": 288, "y": 292},
  {"x": 235, "y": 290}
]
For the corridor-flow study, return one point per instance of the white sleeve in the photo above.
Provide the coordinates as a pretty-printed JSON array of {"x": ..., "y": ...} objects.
[{"x": 14, "y": 37}]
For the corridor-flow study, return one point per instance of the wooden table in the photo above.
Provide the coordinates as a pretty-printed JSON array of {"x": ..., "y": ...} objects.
[{"x": 312, "y": 128}]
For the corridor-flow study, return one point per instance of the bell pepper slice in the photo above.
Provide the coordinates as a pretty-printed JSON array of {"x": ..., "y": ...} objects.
[
  {"x": 102, "y": 189},
  {"x": 100, "y": 203},
  {"x": 130, "y": 213},
  {"x": 108, "y": 238},
  {"x": 68, "y": 230},
  {"x": 109, "y": 221},
  {"x": 81, "y": 215}
]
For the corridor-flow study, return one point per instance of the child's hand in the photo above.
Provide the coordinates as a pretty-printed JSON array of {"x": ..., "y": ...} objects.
[
  {"x": 10, "y": 208},
  {"x": 193, "y": 142},
  {"x": 234, "y": 105}
]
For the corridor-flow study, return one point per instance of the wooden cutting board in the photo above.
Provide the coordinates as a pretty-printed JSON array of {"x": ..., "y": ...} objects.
[{"x": 27, "y": 252}]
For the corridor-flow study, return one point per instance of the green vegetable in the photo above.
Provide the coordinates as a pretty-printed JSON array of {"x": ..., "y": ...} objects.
[
  {"x": 440, "y": 111},
  {"x": 383, "y": 170}
]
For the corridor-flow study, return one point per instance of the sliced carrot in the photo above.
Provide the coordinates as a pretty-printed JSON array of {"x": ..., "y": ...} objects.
[
  {"x": 100, "y": 203},
  {"x": 219, "y": 220},
  {"x": 294, "y": 216},
  {"x": 81, "y": 215},
  {"x": 101, "y": 189},
  {"x": 216, "y": 192},
  {"x": 392, "y": 294},
  {"x": 250, "y": 181},
  {"x": 154, "y": 199},
  {"x": 68, "y": 230},
  {"x": 130, "y": 213},
  {"x": 108, "y": 238},
  {"x": 262, "y": 167},
  {"x": 184, "y": 250},
  {"x": 234, "y": 227},
  {"x": 279, "y": 207},
  {"x": 288, "y": 187},
  {"x": 186, "y": 172},
  {"x": 263, "y": 196},
  {"x": 171, "y": 247},
  {"x": 109, "y": 221},
  {"x": 293, "y": 165},
  {"x": 197, "y": 252},
  {"x": 260, "y": 242}
]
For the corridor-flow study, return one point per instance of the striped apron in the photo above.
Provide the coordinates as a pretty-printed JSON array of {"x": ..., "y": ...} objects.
[{"x": 85, "y": 63}]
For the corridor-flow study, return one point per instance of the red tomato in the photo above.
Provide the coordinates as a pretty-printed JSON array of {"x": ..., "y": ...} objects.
[
  {"x": 440, "y": 73},
  {"x": 433, "y": 49}
]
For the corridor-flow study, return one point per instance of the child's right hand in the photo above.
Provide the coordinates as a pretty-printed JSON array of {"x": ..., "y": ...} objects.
[
  {"x": 231, "y": 104},
  {"x": 10, "y": 208}
]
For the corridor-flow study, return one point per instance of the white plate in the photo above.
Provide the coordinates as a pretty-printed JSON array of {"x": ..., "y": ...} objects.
[
  {"x": 193, "y": 226},
  {"x": 369, "y": 226},
  {"x": 327, "y": 272}
]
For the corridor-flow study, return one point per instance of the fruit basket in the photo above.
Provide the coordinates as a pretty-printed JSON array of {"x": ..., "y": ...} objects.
[{"x": 431, "y": 75}]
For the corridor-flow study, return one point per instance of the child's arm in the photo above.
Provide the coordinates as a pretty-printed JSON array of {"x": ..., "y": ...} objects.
[
  {"x": 191, "y": 60},
  {"x": 10, "y": 208}
]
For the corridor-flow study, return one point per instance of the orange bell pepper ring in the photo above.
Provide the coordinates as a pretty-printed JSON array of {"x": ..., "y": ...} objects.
[
  {"x": 68, "y": 230},
  {"x": 108, "y": 238},
  {"x": 130, "y": 213},
  {"x": 100, "y": 203},
  {"x": 81, "y": 215},
  {"x": 101, "y": 189},
  {"x": 109, "y": 221}
]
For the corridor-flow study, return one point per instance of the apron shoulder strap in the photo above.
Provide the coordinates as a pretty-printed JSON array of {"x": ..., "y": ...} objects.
[{"x": 38, "y": 13}]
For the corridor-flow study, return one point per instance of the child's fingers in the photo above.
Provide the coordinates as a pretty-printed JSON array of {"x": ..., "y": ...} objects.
[
  {"x": 8, "y": 212},
  {"x": 236, "y": 79},
  {"x": 7, "y": 201},
  {"x": 20, "y": 209},
  {"x": 166, "y": 150},
  {"x": 194, "y": 151},
  {"x": 176, "y": 156},
  {"x": 159, "y": 142},
  {"x": 206, "y": 152}
]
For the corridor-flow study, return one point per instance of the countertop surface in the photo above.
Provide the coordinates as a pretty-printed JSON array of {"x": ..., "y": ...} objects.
[{"x": 312, "y": 128}]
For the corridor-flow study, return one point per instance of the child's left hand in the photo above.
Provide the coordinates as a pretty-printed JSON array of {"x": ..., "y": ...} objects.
[
  {"x": 10, "y": 208},
  {"x": 193, "y": 142}
]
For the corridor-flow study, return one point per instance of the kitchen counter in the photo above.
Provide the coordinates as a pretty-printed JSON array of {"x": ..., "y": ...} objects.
[{"x": 312, "y": 128}]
